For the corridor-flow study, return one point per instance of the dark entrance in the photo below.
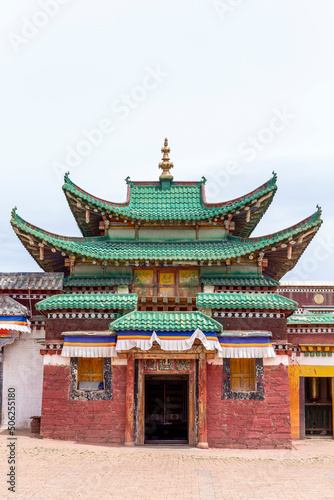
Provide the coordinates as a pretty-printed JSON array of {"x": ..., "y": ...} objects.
[
  {"x": 318, "y": 406},
  {"x": 166, "y": 410}
]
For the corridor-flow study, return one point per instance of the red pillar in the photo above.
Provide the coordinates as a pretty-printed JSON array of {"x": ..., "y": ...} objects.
[
  {"x": 202, "y": 396},
  {"x": 130, "y": 400}
]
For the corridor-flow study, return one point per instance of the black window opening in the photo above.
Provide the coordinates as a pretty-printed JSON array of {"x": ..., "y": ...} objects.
[
  {"x": 166, "y": 410},
  {"x": 319, "y": 406}
]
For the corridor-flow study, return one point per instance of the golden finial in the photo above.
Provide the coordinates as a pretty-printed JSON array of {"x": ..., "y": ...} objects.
[{"x": 165, "y": 164}]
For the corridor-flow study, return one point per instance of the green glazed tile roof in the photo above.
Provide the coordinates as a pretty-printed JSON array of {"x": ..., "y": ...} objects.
[
  {"x": 240, "y": 281},
  {"x": 245, "y": 300},
  {"x": 98, "y": 300},
  {"x": 312, "y": 319},
  {"x": 166, "y": 322},
  {"x": 97, "y": 281},
  {"x": 182, "y": 201},
  {"x": 104, "y": 249}
]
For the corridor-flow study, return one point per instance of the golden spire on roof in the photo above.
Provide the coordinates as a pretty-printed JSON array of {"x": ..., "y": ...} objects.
[{"x": 165, "y": 164}]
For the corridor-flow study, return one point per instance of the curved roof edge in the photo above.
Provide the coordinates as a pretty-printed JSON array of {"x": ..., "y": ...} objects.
[
  {"x": 281, "y": 250},
  {"x": 80, "y": 200}
]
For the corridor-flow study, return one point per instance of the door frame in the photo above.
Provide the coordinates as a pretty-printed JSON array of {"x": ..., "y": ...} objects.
[{"x": 193, "y": 407}]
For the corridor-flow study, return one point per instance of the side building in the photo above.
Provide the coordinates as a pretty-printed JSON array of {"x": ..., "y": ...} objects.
[
  {"x": 22, "y": 332},
  {"x": 311, "y": 365},
  {"x": 170, "y": 327}
]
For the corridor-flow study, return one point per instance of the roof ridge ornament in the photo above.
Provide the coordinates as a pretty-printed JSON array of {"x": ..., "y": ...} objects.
[{"x": 165, "y": 164}]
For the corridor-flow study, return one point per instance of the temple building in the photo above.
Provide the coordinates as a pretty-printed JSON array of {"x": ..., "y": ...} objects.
[{"x": 170, "y": 326}]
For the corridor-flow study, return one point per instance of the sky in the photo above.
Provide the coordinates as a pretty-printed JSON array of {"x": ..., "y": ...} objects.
[{"x": 241, "y": 88}]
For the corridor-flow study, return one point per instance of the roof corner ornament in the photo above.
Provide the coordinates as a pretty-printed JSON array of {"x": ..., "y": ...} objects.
[
  {"x": 13, "y": 214},
  {"x": 203, "y": 179},
  {"x": 165, "y": 164},
  {"x": 127, "y": 179}
]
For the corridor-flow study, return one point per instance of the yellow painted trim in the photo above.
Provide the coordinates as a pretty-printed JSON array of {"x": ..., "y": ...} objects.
[{"x": 295, "y": 372}]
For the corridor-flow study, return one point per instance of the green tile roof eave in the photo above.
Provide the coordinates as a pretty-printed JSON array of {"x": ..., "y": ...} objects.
[
  {"x": 245, "y": 300},
  {"x": 188, "y": 201},
  {"x": 240, "y": 280},
  {"x": 97, "y": 281},
  {"x": 103, "y": 249},
  {"x": 311, "y": 319},
  {"x": 165, "y": 321},
  {"x": 100, "y": 300}
]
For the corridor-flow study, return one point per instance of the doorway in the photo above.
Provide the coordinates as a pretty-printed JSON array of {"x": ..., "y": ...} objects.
[
  {"x": 166, "y": 409},
  {"x": 318, "y": 406}
]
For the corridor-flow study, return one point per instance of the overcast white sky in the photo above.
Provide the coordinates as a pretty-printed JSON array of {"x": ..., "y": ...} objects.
[{"x": 225, "y": 74}]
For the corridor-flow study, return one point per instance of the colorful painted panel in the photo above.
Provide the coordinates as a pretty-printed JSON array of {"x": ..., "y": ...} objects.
[
  {"x": 188, "y": 277},
  {"x": 183, "y": 364},
  {"x": 143, "y": 276},
  {"x": 166, "y": 364},
  {"x": 150, "y": 364},
  {"x": 166, "y": 278}
]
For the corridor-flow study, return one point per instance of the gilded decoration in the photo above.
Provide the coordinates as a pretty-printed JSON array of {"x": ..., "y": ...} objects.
[
  {"x": 165, "y": 164},
  {"x": 319, "y": 298}
]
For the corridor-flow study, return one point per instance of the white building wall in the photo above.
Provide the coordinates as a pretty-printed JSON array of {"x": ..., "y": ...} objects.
[{"x": 23, "y": 370}]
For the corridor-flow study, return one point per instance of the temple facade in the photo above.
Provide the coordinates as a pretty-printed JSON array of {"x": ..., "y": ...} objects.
[{"x": 170, "y": 326}]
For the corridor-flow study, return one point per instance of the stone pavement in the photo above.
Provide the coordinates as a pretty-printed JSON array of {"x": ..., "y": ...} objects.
[{"x": 66, "y": 470}]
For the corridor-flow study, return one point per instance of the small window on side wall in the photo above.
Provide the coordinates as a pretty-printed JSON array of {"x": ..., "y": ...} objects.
[
  {"x": 90, "y": 374},
  {"x": 243, "y": 378},
  {"x": 242, "y": 372},
  {"x": 91, "y": 379}
]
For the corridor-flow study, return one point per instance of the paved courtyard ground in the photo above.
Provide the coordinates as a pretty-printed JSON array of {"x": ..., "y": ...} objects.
[{"x": 66, "y": 470}]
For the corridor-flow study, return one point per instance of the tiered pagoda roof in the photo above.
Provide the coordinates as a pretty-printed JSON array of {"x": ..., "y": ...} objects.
[
  {"x": 183, "y": 202},
  {"x": 273, "y": 247},
  {"x": 156, "y": 203}
]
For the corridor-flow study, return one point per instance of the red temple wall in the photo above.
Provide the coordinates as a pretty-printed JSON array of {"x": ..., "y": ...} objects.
[
  {"x": 245, "y": 423},
  {"x": 305, "y": 298},
  {"x": 312, "y": 338},
  {"x": 55, "y": 327},
  {"x": 94, "y": 421},
  {"x": 277, "y": 326}
]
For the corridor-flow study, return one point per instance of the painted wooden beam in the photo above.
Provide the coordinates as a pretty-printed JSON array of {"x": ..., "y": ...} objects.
[
  {"x": 202, "y": 403},
  {"x": 129, "y": 400}
]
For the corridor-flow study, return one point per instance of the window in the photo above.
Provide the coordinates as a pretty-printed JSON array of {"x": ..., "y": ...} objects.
[
  {"x": 242, "y": 374},
  {"x": 91, "y": 379},
  {"x": 243, "y": 379},
  {"x": 90, "y": 374}
]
